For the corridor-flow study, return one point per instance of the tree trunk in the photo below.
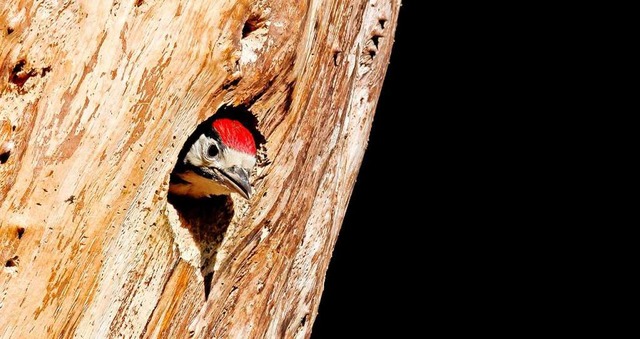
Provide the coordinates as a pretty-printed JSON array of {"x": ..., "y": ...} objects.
[{"x": 96, "y": 101}]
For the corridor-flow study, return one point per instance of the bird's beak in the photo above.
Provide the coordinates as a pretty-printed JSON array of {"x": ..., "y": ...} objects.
[{"x": 236, "y": 179}]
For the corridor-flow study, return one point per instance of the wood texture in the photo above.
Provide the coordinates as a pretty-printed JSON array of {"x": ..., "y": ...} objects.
[{"x": 97, "y": 99}]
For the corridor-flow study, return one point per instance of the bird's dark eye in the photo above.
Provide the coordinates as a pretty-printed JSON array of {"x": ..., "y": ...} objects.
[{"x": 213, "y": 151}]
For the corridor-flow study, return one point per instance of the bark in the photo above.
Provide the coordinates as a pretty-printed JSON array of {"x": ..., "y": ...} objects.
[{"x": 96, "y": 101}]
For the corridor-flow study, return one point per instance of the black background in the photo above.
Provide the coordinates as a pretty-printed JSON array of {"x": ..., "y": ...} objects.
[
  {"x": 467, "y": 216},
  {"x": 364, "y": 282}
]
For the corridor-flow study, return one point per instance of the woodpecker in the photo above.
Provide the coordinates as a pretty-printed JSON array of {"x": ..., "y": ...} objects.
[{"x": 218, "y": 162}]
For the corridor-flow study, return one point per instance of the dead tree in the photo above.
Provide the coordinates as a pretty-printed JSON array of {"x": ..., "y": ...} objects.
[{"x": 96, "y": 101}]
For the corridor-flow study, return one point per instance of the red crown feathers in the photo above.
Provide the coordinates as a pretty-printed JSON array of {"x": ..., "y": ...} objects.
[{"x": 233, "y": 134}]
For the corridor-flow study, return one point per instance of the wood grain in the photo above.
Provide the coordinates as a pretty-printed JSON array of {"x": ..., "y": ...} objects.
[{"x": 100, "y": 96}]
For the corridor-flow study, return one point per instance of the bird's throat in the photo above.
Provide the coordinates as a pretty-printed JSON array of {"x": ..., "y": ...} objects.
[{"x": 197, "y": 186}]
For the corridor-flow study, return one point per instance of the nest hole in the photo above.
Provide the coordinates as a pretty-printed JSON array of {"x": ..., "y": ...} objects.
[{"x": 207, "y": 219}]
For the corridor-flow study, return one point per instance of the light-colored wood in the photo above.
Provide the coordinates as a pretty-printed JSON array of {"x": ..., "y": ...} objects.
[{"x": 97, "y": 99}]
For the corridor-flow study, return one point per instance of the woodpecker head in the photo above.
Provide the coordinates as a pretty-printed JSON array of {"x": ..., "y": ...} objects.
[{"x": 218, "y": 162}]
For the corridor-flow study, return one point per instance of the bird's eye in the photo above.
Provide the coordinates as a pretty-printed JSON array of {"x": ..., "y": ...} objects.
[{"x": 213, "y": 151}]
